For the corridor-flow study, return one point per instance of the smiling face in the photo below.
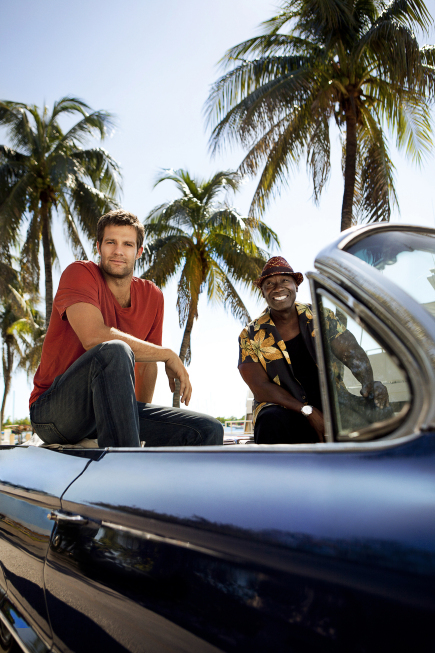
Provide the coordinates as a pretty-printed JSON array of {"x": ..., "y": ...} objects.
[
  {"x": 279, "y": 291},
  {"x": 118, "y": 251}
]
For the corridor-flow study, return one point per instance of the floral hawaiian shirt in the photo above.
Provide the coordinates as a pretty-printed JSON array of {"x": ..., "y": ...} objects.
[{"x": 260, "y": 342}]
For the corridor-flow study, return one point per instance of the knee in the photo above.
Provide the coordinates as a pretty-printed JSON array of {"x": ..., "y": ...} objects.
[
  {"x": 117, "y": 350},
  {"x": 214, "y": 433}
]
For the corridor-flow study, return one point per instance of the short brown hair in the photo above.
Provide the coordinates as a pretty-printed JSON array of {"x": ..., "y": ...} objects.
[{"x": 120, "y": 217}]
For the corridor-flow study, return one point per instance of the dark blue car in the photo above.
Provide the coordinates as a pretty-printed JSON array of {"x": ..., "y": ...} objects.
[{"x": 296, "y": 548}]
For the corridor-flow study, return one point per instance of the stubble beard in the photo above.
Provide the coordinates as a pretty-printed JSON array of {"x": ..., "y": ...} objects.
[{"x": 107, "y": 269}]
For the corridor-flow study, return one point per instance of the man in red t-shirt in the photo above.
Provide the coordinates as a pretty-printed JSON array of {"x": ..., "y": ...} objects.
[{"x": 99, "y": 360}]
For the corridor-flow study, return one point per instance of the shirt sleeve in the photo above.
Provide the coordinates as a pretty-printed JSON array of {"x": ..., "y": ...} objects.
[
  {"x": 77, "y": 284},
  {"x": 246, "y": 353},
  {"x": 156, "y": 332}
]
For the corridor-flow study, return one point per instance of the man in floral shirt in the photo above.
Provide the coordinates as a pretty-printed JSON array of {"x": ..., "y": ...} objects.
[{"x": 277, "y": 360}]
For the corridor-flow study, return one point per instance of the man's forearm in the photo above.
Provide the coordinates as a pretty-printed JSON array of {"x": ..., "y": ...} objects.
[
  {"x": 264, "y": 390},
  {"x": 144, "y": 352},
  {"x": 276, "y": 395},
  {"x": 87, "y": 322}
]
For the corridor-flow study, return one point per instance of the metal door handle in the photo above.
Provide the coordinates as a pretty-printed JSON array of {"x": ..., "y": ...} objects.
[{"x": 56, "y": 515}]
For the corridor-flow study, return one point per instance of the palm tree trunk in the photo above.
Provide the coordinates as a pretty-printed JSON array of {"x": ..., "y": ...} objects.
[
  {"x": 8, "y": 361},
  {"x": 349, "y": 170},
  {"x": 47, "y": 262},
  {"x": 184, "y": 349}
]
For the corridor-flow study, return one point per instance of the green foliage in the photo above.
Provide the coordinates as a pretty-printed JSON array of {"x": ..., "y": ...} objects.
[
  {"x": 22, "y": 421},
  {"x": 45, "y": 169},
  {"x": 208, "y": 244},
  {"x": 222, "y": 420},
  {"x": 354, "y": 62},
  {"x": 22, "y": 331}
]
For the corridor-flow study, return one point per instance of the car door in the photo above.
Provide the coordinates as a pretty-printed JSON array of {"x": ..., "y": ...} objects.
[
  {"x": 327, "y": 547},
  {"x": 312, "y": 548},
  {"x": 32, "y": 480}
]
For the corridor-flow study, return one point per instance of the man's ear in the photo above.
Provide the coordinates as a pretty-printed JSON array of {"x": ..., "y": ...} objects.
[
  {"x": 98, "y": 248},
  {"x": 139, "y": 253}
]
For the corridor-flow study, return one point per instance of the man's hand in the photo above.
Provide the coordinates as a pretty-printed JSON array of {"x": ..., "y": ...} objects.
[
  {"x": 378, "y": 391},
  {"x": 318, "y": 424},
  {"x": 175, "y": 369}
]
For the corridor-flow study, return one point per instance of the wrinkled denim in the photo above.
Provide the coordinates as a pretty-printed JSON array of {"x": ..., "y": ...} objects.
[{"x": 94, "y": 398}]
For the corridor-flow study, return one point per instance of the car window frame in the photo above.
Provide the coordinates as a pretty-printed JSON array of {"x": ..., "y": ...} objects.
[{"x": 397, "y": 427}]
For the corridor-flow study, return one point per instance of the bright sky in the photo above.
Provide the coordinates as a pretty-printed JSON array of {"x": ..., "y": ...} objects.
[{"x": 151, "y": 64}]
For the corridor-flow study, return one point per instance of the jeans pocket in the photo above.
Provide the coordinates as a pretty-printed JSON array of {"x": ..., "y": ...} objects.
[{"x": 49, "y": 433}]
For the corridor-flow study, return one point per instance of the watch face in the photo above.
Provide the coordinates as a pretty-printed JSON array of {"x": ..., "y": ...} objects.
[{"x": 306, "y": 410}]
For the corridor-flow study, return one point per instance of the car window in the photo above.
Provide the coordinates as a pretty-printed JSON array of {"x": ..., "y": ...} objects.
[
  {"x": 404, "y": 257},
  {"x": 354, "y": 416}
]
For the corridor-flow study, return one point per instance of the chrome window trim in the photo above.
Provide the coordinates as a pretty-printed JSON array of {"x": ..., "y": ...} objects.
[
  {"x": 405, "y": 424},
  {"x": 406, "y": 318},
  {"x": 323, "y": 377},
  {"x": 25, "y": 647},
  {"x": 360, "y": 233},
  {"x": 419, "y": 372},
  {"x": 318, "y": 447}
]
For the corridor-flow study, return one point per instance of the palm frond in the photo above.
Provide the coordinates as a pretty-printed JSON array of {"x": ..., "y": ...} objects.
[
  {"x": 178, "y": 214},
  {"x": 13, "y": 206},
  {"x": 251, "y": 98},
  {"x": 30, "y": 254},
  {"x": 162, "y": 258},
  {"x": 69, "y": 104},
  {"x": 414, "y": 127},
  {"x": 409, "y": 13},
  {"x": 189, "y": 286},
  {"x": 319, "y": 155},
  {"x": 89, "y": 204},
  {"x": 96, "y": 122},
  {"x": 270, "y": 44},
  {"x": 13, "y": 115},
  {"x": 221, "y": 290}
]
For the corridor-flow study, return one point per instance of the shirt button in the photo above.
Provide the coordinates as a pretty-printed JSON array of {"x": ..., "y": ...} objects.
[{"x": 304, "y": 398}]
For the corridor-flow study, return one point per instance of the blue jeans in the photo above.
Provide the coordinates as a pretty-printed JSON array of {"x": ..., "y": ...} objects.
[{"x": 95, "y": 398}]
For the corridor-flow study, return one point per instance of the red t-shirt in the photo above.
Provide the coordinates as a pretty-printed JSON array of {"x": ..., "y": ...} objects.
[{"x": 83, "y": 281}]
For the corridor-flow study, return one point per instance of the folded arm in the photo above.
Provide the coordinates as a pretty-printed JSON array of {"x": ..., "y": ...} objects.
[
  {"x": 88, "y": 324},
  {"x": 264, "y": 389}
]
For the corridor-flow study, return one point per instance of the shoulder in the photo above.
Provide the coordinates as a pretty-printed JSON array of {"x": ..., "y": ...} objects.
[
  {"x": 304, "y": 309},
  {"x": 147, "y": 288},
  {"x": 254, "y": 325},
  {"x": 80, "y": 272}
]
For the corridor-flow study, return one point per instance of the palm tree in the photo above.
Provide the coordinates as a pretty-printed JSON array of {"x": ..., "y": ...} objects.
[
  {"x": 209, "y": 244},
  {"x": 47, "y": 169},
  {"x": 21, "y": 331},
  {"x": 355, "y": 61}
]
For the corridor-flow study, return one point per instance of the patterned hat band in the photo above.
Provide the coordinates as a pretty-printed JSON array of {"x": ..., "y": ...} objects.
[{"x": 278, "y": 265}]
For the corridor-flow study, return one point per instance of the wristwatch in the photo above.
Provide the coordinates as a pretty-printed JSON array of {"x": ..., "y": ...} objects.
[{"x": 306, "y": 410}]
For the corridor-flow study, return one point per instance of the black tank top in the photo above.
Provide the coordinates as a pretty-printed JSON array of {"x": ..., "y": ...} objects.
[{"x": 305, "y": 370}]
